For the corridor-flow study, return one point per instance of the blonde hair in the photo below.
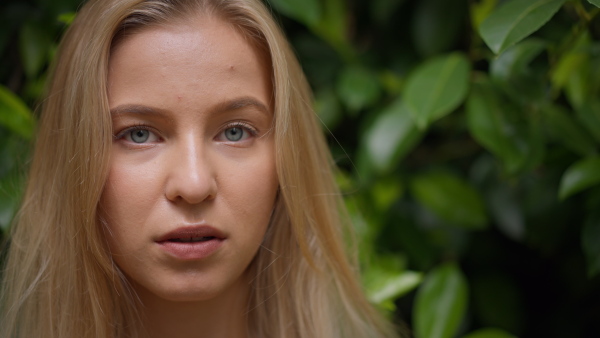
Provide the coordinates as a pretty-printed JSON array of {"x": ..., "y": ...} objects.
[{"x": 59, "y": 279}]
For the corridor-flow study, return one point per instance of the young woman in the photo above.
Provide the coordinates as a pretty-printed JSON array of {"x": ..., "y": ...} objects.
[{"x": 180, "y": 186}]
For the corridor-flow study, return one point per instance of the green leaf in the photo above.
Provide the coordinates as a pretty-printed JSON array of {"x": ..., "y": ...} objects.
[
  {"x": 320, "y": 61},
  {"x": 511, "y": 71},
  {"x": 386, "y": 279},
  {"x": 577, "y": 89},
  {"x": 450, "y": 198},
  {"x": 437, "y": 87},
  {"x": 564, "y": 129},
  {"x": 515, "y": 20},
  {"x": 385, "y": 192},
  {"x": 507, "y": 211},
  {"x": 382, "y": 11},
  {"x": 332, "y": 27},
  {"x": 579, "y": 176},
  {"x": 589, "y": 116},
  {"x": 440, "y": 303},
  {"x": 590, "y": 237},
  {"x": 305, "y": 11},
  {"x": 480, "y": 11},
  {"x": 34, "y": 46},
  {"x": 14, "y": 114},
  {"x": 358, "y": 87},
  {"x": 67, "y": 18},
  {"x": 592, "y": 69},
  {"x": 495, "y": 124},
  {"x": 328, "y": 108},
  {"x": 595, "y": 2},
  {"x": 10, "y": 194},
  {"x": 437, "y": 24},
  {"x": 388, "y": 286},
  {"x": 411, "y": 237},
  {"x": 489, "y": 333},
  {"x": 570, "y": 62},
  {"x": 391, "y": 137}
]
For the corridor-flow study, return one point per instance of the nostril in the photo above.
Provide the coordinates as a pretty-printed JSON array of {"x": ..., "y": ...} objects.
[{"x": 190, "y": 186}]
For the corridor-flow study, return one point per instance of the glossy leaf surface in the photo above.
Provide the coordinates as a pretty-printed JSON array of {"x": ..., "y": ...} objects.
[
  {"x": 305, "y": 11},
  {"x": 34, "y": 45},
  {"x": 565, "y": 129},
  {"x": 514, "y": 20},
  {"x": 450, "y": 198},
  {"x": 333, "y": 25},
  {"x": 437, "y": 87},
  {"x": 358, "y": 88},
  {"x": 571, "y": 61},
  {"x": 480, "y": 11},
  {"x": 14, "y": 114},
  {"x": 512, "y": 72},
  {"x": 581, "y": 175},
  {"x": 436, "y": 25},
  {"x": 441, "y": 303},
  {"x": 390, "y": 286},
  {"x": 391, "y": 137},
  {"x": 496, "y": 125}
]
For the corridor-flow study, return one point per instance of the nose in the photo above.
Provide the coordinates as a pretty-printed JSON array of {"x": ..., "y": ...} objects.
[{"x": 191, "y": 177}]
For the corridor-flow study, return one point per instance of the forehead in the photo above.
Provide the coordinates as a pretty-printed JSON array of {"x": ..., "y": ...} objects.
[
  {"x": 195, "y": 33},
  {"x": 196, "y": 50},
  {"x": 188, "y": 66}
]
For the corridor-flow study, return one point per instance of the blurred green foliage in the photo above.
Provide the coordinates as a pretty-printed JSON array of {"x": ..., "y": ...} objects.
[{"x": 467, "y": 137}]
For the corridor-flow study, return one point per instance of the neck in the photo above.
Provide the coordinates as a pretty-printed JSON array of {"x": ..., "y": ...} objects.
[{"x": 222, "y": 316}]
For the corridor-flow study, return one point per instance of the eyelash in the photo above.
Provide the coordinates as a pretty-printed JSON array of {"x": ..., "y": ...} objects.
[
  {"x": 139, "y": 126},
  {"x": 240, "y": 124},
  {"x": 236, "y": 124}
]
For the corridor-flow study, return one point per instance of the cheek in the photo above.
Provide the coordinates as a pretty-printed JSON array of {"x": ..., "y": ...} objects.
[
  {"x": 125, "y": 202},
  {"x": 130, "y": 186},
  {"x": 249, "y": 194},
  {"x": 252, "y": 190}
]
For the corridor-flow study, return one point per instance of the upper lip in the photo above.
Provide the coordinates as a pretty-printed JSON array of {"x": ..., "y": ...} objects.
[{"x": 192, "y": 231}]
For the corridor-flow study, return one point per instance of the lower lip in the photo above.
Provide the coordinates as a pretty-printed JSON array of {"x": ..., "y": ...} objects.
[{"x": 191, "y": 250}]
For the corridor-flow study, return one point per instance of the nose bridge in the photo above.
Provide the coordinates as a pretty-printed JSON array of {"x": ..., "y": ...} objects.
[{"x": 191, "y": 176}]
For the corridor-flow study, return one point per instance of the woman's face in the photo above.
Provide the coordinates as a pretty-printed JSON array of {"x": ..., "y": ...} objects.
[{"x": 192, "y": 179}]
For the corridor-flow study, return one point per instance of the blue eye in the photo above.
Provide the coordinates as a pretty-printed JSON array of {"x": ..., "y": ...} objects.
[
  {"x": 234, "y": 134},
  {"x": 139, "y": 135}
]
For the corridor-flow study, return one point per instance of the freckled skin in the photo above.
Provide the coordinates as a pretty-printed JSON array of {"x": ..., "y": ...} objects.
[{"x": 188, "y": 172}]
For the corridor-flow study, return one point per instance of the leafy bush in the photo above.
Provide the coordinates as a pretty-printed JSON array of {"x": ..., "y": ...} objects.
[{"x": 467, "y": 137}]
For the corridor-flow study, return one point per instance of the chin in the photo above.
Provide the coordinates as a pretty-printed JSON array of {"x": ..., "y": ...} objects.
[{"x": 192, "y": 290}]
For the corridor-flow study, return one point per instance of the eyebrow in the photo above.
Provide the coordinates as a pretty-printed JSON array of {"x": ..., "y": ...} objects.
[
  {"x": 240, "y": 103},
  {"x": 229, "y": 105},
  {"x": 137, "y": 109}
]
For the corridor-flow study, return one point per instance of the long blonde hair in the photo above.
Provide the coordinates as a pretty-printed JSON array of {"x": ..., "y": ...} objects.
[{"x": 60, "y": 281}]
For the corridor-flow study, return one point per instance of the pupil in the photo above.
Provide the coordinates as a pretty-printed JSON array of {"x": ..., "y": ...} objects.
[
  {"x": 234, "y": 134},
  {"x": 140, "y": 136}
]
